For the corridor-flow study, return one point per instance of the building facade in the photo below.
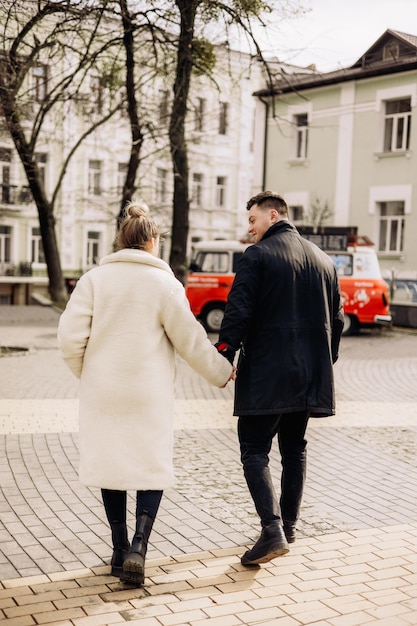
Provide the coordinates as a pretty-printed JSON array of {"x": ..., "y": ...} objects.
[
  {"x": 220, "y": 137},
  {"x": 341, "y": 147}
]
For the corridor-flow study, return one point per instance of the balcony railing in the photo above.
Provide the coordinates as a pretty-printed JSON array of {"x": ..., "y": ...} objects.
[
  {"x": 12, "y": 194},
  {"x": 21, "y": 269}
]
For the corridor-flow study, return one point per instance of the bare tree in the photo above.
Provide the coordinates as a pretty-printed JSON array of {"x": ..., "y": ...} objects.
[
  {"x": 195, "y": 52},
  {"x": 319, "y": 213},
  {"x": 65, "y": 38}
]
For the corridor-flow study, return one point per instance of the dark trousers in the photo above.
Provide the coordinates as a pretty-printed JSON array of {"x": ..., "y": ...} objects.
[
  {"x": 115, "y": 504},
  {"x": 256, "y": 433}
]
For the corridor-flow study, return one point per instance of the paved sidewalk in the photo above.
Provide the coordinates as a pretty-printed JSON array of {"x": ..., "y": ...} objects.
[{"x": 355, "y": 559}]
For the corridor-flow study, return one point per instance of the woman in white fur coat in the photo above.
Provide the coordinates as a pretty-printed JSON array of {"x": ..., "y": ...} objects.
[{"x": 119, "y": 333}]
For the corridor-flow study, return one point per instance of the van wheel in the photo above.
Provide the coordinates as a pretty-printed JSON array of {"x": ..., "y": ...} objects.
[
  {"x": 351, "y": 326},
  {"x": 212, "y": 318}
]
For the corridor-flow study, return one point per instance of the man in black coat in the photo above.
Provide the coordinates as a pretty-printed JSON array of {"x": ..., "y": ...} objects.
[{"x": 284, "y": 313}]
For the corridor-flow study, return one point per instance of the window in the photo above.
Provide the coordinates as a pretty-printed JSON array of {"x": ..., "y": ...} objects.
[
  {"x": 5, "y": 243},
  {"x": 94, "y": 177},
  {"x": 344, "y": 264},
  {"x": 296, "y": 214},
  {"x": 121, "y": 176},
  {"x": 93, "y": 245},
  {"x": 161, "y": 185},
  {"x": 163, "y": 111},
  {"x": 41, "y": 161},
  {"x": 96, "y": 94},
  {"x": 220, "y": 191},
  {"x": 199, "y": 111},
  {"x": 5, "y": 160},
  {"x": 397, "y": 125},
  {"x": 391, "y": 51},
  {"x": 301, "y": 123},
  {"x": 39, "y": 82},
  {"x": 212, "y": 262},
  {"x": 391, "y": 226},
  {"x": 223, "y": 118},
  {"x": 37, "y": 255},
  {"x": 197, "y": 190}
]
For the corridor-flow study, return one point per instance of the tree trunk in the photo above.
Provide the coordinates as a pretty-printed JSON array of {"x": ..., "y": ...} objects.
[
  {"x": 181, "y": 203},
  {"x": 57, "y": 289},
  {"x": 132, "y": 107}
]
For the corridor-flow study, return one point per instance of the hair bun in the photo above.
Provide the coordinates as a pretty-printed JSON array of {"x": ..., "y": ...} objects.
[{"x": 137, "y": 209}]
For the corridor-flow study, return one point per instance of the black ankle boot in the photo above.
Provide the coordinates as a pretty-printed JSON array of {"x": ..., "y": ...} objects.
[
  {"x": 271, "y": 543},
  {"x": 134, "y": 564},
  {"x": 290, "y": 531},
  {"x": 121, "y": 547}
]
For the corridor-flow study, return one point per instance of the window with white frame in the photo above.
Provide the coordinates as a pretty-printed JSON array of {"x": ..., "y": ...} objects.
[
  {"x": 5, "y": 243},
  {"x": 221, "y": 191},
  {"x": 39, "y": 82},
  {"x": 36, "y": 252},
  {"x": 94, "y": 177},
  {"x": 223, "y": 118},
  {"x": 197, "y": 189},
  {"x": 5, "y": 160},
  {"x": 397, "y": 125},
  {"x": 121, "y": 176},
  {"x": 93, "y": 247},
  {"x": 161, "y": 185},
  {"x": 163, "y": 108},
  {"x": 391, "y": 226},
  {"x": 96, "y": 90},
  {"x": 296, "y": 214},
  {"x": 199, "y": 115},
  {"x": 301, "y": 135},
  {"x": 41, "y": 159}
]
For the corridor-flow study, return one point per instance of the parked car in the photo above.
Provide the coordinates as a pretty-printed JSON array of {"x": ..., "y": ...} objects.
[{"x": 403, "y": 290}]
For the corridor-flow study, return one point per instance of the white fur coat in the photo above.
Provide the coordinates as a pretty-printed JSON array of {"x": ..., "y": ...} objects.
[{"x": 118, "y": 334}]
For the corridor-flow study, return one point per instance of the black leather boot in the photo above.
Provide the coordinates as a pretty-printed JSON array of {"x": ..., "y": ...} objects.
[
  {"x": 290, "y": 531},
  {"x": 121, "y": 547},
  {"x": 134, "y": 565},
  {"x": 271, "y": 543}
]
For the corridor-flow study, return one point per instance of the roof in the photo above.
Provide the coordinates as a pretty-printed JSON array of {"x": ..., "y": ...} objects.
[{"x": 393, "y": 52}]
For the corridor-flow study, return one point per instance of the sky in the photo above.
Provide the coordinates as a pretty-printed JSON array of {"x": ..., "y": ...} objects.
[{"x": 335, "y": 33}]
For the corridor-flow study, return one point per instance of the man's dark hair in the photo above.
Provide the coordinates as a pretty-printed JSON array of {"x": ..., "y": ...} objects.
[{"x": 269, "y": 200}]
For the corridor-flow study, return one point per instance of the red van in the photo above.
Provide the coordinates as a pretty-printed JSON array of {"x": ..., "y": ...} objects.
[{"x": 364, "y": 292}]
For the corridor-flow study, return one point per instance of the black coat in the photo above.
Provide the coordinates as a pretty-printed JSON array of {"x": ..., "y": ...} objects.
[{"x": 285, "y": 313}]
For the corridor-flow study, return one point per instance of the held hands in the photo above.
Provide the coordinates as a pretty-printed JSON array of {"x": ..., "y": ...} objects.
[
  {"x": 232, "y": 377},
  {"x": 228, "y": 353}
]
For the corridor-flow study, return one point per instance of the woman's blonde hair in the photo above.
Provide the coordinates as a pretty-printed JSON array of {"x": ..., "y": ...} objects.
[{"x": 137, "y": 228}]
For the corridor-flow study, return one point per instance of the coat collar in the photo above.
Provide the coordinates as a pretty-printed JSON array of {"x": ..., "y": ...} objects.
[
  {"x": 281, "y": 226},
  {"x": 130, "y": 255}
]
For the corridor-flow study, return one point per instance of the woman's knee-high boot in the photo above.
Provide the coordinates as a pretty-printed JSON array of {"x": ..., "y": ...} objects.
[
  {"x": 121, "y": 547},
  {"x": 134, "y": 564}
]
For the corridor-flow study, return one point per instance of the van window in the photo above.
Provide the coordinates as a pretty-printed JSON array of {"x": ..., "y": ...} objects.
[
  {"x": 344, "y": 264},
  {"x": 213, "y": 262}
]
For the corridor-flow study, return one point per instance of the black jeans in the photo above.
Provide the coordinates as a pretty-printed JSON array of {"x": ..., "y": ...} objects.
[
  {"x": 256, "y": 433},
  {"x": 115, "y": 504}
]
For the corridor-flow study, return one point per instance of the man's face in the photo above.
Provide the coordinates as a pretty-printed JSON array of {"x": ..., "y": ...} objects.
[{"x": 260, "y": 220}]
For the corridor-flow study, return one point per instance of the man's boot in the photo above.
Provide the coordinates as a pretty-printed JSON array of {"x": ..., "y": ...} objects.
[
  {"x": 121, "y": 547},
  {"x": 290, "y": 530},
  {"x": 271, "y": 543},
  {"x": 134, "y": 564}
]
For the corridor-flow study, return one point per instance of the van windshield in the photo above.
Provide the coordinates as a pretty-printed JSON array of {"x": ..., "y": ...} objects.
[{"x": 344, "y": 263}]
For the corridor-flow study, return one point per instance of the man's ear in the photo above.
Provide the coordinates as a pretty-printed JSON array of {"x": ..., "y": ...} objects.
[{"x": 274, "y": 216}]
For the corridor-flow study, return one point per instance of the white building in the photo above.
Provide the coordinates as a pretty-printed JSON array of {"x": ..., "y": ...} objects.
[{"x": 220, "y": 130}]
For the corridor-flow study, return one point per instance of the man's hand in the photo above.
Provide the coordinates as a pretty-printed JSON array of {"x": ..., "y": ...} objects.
[{"x": 225, "y": 350}]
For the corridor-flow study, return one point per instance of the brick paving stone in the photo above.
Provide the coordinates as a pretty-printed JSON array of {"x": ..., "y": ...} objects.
[{"x": 354, "y": 561}]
